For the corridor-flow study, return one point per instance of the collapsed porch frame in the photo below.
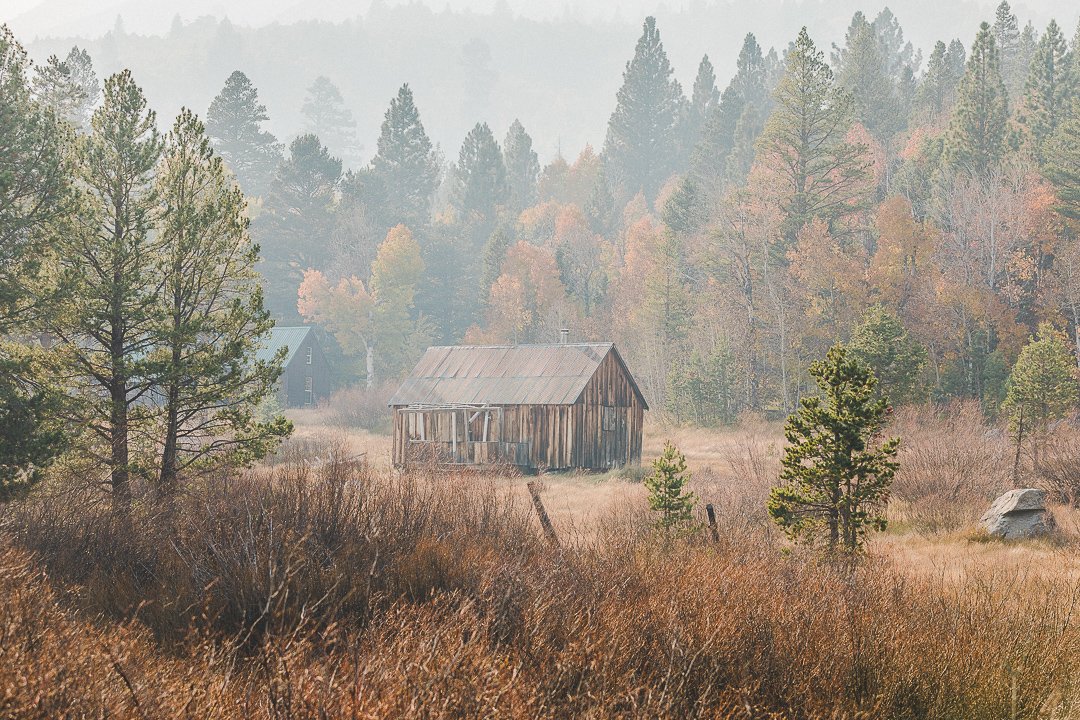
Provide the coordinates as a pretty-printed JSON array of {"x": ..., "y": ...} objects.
[{"x": 469, "y": 450}]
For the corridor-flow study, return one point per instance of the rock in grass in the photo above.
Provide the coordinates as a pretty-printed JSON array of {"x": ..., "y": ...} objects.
[{"x": 1018, "y": 514}]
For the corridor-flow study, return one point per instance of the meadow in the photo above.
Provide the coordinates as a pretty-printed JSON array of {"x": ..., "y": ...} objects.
[{"x": 325, "y": 584}]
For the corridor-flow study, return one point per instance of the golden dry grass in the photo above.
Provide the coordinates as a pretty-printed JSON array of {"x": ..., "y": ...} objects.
[{"x": 322, "y": 587}]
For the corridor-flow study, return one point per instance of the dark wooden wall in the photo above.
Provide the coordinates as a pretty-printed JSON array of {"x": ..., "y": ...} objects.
[
  {"x": 559, "y": 436},
  {"x": 292, "y": 378}
]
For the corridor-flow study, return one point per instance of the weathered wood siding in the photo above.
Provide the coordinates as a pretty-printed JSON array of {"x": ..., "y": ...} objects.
[{"x": 601, "y": 430}]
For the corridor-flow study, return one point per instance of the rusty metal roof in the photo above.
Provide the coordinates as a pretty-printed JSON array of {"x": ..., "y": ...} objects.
[{"x": 504, "y": 374}]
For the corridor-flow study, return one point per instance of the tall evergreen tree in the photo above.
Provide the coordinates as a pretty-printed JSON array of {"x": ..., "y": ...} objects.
[
  {"x": 327, "y": 118},
  {"x": 35, "y": 196},
  {"x": 1006, "y": 31},
  {"x": 862, "y": 71},
  {"x": 898, "y": 55},
  {"x": 703, "y": 100},
  {"x": 405, "y": 171},
  {"x": 956, "y": 61},
  {"x": 835, "y": 474},
  {"x": 641, "y": 142},
  {"x": 933, "y": 94},
  {"x": 211, "y": 314},
  {"x": 1062, "y": 165},
  {"x": 819, "y": 173},
  {"x": 106, "y": 321},
  {"x": 234, "y": 124},
  {"x": 1049, "y": 88},
  {"x": 976, "y": 137},
  {"x": 69, "y": 87},
  {"x": 882, "y": 343},
  {"x": 522, "y": 167},
  {"x": 480, "y": 176},
  {"x": 734, "y": 123},
  {"x": 294, "y": 231},
  {"x": 1042, "y": 385}
]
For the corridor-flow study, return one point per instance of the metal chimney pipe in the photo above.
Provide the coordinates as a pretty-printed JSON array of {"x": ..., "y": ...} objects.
[{"x": 564, "y": 336}]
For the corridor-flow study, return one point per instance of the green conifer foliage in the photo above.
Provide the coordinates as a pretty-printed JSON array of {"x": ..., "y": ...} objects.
[
  {"x": 881, "y": 342},
  {"x": 1062, "y": 164},
  {"x": 234, "y": 123},
  {"x": 976, "y": 137},
  {"x": 1049, "y": 89},
  {"x": 328, "y": 119},
  {"x": 819, "y": 173},
  {"x": 668, "y": 497},
  {"x": 211, "y": 318},
  {"x": 835, "y": 475},
  {"x": 405, "y": 171},
  {"x": 1043, "y": 383},
  {"x": 480, "y": 176},
  {"x": 522, "y": 167},
  {"x": 641, "y": 144}
]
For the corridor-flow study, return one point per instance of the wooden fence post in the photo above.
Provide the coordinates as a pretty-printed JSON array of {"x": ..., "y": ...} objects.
[
  {"x": 545, "y": 521},
  {"x": 712, "y": 523}
]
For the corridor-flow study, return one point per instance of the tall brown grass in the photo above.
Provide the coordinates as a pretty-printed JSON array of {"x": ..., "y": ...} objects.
[{"x": 338, "y": 591}]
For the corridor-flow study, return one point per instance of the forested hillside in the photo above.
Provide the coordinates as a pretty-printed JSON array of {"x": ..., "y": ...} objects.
[{"x": 919, "y": 203}]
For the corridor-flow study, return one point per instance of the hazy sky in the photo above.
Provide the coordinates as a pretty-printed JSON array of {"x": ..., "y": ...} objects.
[{"x": 34, "y": 18}]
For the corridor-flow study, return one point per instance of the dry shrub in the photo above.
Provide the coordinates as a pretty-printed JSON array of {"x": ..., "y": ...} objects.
[
  {"x": 952, "y": 465},
  {"x": 1057, "y": 469},
  {"x": 341, "y": 592},
  {"x": 359, "y": 407}
]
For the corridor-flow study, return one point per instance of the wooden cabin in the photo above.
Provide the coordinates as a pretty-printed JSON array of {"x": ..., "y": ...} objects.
[
  {"x": 534, "y": 406},
  {"x": 305, "y": 378}
]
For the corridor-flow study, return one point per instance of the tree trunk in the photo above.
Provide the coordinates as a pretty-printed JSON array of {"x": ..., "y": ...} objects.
[
  {"x": 370, "y": 365},
  {"x": 118, "y": 435},
  {"x": 167, "y": 476}
]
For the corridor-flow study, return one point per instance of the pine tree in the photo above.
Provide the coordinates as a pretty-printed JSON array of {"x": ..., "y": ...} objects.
[
  {"x": 735, "y": 122},
  {"x": 295, "y": 229},
  {"x": 703, "y": 100},
  {"x": 1043, "y": 384},
  {"x": 1049, "y": 89},
  {"x": 641, "y": 142},
  {"x": 835, "y": 477},
  {"x": 883, "y": 344},
  {"x": 956, "y": 61},
  {"x": 667, "y": 491},
  {"x": 861, "y": 70},
  {"x": 933, "y": 94},
  {"x": 480, "y": 176},
  {"x": 234, "y": 123},
  {"x": 405, "y": 171},
  {"x": 328, "y": 119},
  {"x": 35, "y": 197},
  {"x": 69, "y": 87},
  {"x": 1062, "y": 165},
  {"x": 522, "y": 167},
  {"x": 898, "y": 55},
  {"x": 211, "y": 315},
  {"x": 1006, "y": 32},
  {"x": 107, "y": 261},
  {"x": 976, "y": 137},
  {"x": 804, "y": 143},
  {"x": 494, "y": 254}
]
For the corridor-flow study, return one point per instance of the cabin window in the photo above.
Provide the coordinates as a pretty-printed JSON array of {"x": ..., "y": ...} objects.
[
  {"x": 307, "y": 391},
  {"x": 607, "y": 419},
  {"x": 309, "y": 354}
]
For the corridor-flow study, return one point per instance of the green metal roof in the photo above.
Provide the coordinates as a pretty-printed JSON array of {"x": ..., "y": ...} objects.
[{"x": 291, "y": 338}]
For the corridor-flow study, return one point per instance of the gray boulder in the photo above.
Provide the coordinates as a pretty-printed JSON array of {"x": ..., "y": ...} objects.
[{"x": 1018, "y": 514}]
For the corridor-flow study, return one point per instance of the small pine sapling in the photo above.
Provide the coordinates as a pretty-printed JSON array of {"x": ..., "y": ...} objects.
[{"x": 666, "y": 485}]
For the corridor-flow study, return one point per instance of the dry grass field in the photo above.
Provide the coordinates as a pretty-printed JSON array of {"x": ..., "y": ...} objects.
[{"x": 326, "y": 585}]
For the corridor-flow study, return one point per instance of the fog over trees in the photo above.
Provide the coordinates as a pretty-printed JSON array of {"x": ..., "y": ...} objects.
[{"x": 412, "y": 178}]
